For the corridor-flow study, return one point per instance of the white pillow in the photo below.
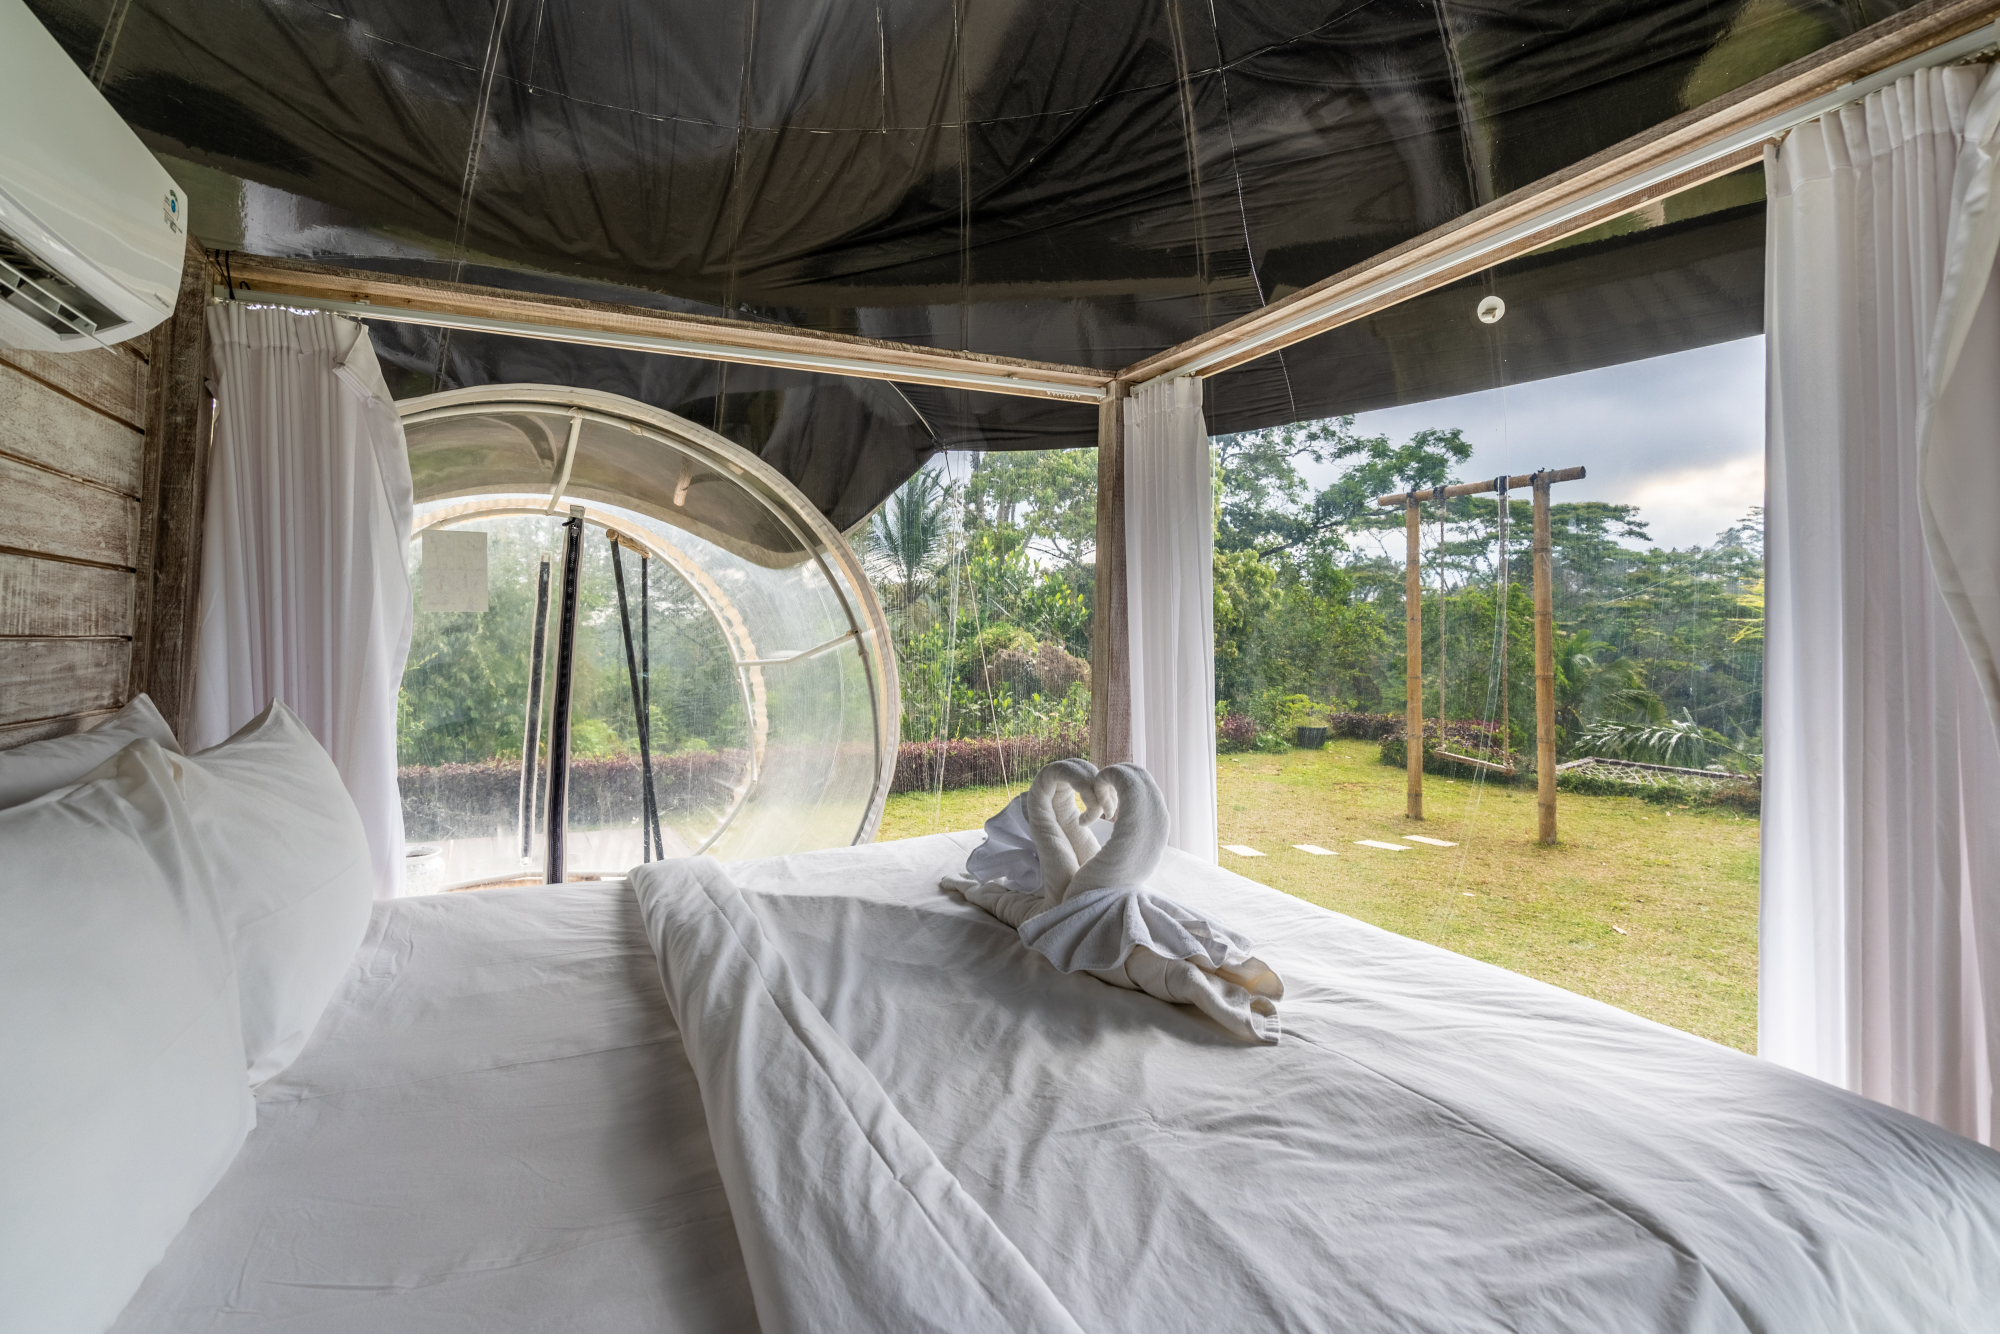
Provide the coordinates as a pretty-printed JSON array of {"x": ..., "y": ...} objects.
[
  {"x": 29, "y": 771},
  {"x": 289, "y": 860},
  {"x": 122, "y": 1098}
]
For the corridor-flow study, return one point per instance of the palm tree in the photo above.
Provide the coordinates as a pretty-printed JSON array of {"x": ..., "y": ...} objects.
[{"x": 908, "y": 540}]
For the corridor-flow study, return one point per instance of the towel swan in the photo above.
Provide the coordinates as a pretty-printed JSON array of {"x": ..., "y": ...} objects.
[{"x": 1091, "y": 911}]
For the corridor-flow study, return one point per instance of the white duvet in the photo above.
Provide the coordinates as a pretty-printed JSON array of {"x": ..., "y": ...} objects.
[{"x": 920, "y": 1124}]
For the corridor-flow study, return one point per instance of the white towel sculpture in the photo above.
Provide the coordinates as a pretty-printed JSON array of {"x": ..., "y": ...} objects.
[{"x": 1086, "y": 908}]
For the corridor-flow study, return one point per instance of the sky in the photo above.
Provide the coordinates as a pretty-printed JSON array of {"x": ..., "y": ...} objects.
[{"x": 1680, "y": 436}]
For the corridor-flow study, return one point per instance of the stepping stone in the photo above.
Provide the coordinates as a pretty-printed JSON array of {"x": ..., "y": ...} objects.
[
  {"x": 1434, "y": 842},
  {"x": 1378, "y": 843},
  {"x": 1315, "y": 849},
  {"x": 1240, "y": 850}
]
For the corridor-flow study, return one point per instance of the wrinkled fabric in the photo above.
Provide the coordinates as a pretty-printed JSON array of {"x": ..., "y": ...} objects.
[
  {"x": 1009, "y": 850},
  {"x": 1437, "y": 1146},
  {"x": 1879, "y": 933},
  {"x": 1098, "y": 916},
  {"x": 305, "y": 586},
  {"x": 846, "y": 1218},
  {"x": 492, "y": 1131},
  {"x": 1099, "y": 928}
]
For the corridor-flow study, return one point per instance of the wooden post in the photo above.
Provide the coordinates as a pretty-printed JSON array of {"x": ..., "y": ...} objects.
[
  {"x": 1413, "y": 678},
  {"x": 1505, "y": 600},
  {"x": 168, "y": 597},
  {"x": 1545, "y": 669},
  {"x": 1110, "y": 644}
]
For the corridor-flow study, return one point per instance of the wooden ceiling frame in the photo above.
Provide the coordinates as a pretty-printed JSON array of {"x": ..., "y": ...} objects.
[
  {"x": 388, "y": 296},
  {"x": 1713, "y": 139}
]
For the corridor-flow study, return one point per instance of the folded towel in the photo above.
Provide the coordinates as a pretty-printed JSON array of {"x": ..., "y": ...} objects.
[
  {"x": 1088, "y": 910},
  {"x": 1009, "y": 850}
]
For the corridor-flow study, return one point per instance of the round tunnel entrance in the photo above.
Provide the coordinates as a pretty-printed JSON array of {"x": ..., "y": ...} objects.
[{"x": 725, "y": 641}]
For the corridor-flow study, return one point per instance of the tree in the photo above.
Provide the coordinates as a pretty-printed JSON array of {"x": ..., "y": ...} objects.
[
  {"x": 908, "y": 539},
  {"x": 1047, "y": 496}
]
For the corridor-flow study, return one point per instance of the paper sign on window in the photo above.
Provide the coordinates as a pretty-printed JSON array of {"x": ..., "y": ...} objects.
[{"x": 454, "y": 571}]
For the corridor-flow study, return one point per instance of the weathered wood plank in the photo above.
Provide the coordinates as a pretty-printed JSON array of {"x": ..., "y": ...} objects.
[
  {"x": 53, "y": 678},
  {"x": 20, "y": 734},
  {"x": 1110, "y": 628},
  {"x": 43, "y": 512},
  {"x": 177, "y": 438},
  {"x": 53, "y": 598},
  {"x": 45, "y": 427},
  {"x": 112, "y": 380}
]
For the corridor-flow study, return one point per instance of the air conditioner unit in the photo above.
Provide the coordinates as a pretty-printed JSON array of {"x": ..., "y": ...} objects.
[{"x": 92, "y": 229}]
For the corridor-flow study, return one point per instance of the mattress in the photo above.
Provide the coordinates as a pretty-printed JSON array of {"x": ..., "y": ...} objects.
[
  {"x": 816, "y": 1092},
  {"x": 1435, "y": 1145},
  {"x": 494, "y": 1128}
]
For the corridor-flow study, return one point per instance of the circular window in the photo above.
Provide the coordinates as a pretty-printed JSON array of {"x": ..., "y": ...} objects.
[{"x": 722, "y": 641}]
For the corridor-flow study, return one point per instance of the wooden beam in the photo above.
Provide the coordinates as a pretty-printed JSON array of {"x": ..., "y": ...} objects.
[
  {"x": 1480, "y": 488},
  {"x": 1110, "y": 627},
  {"x": 388, "y": 296},
  {"x": 1413, "y": 671},
  {"x": 177, "y": 440},
  {"x": 1713, "y": 139},
  {"x": 1545, "y": 668}
]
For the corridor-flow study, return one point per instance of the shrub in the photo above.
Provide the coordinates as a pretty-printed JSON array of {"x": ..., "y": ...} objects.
[
  {"x": 1235, "y": 732},
  {"x": 1664, "y": 789},
  {"x": 477, "y": 800},
  {"x": 922, "y": 766},
  {"x": 1464, "y": 736},
  {"x": 1363, "y": 726}
]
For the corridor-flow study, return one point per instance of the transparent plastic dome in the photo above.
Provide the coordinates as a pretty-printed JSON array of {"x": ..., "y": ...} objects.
[{"x": 756, "y": 644}]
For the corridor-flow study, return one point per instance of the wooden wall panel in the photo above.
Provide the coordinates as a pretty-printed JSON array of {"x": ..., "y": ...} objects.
[
  {"x": 112, "y": 380},
  {"x": 20, "y": 734},
  {"x": 103, "y": 467},
  {"x": 43, "y": 513},
  {"x": 54, "y": 678},
  {"x": 42, "y": 426},
  {"x": 46, "y": 598}
]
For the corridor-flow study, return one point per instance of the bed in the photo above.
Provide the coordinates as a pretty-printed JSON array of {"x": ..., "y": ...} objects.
[{"x": 818, "y": 1092}]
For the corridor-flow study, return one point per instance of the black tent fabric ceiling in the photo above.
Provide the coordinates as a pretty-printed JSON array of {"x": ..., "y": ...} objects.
[{"x": 1074, "y": 182}]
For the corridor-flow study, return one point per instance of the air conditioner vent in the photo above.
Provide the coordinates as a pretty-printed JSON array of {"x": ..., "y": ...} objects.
[{"x": 40, "y": 293}]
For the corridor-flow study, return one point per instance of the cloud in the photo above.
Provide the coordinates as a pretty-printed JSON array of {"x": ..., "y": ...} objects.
[{"x": 1681, "y": 436}]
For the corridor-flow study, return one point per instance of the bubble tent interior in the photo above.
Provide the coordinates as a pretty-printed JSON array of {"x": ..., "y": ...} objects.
[{"x": 774, "y": 641}]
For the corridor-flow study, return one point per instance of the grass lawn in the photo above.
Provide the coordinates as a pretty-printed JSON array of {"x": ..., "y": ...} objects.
[{"x": 1650, "y": 908}]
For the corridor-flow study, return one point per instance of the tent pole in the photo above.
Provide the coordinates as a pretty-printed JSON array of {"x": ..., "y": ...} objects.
[
  {"x": 1545, "y": 669},
  {"x": 558, "y": 809},
  {"x": 531, "y": 729},
  {"x": 1413, "y": 676},
  {"x": 646, "y": 683},
  {"x": 649, "y": 819}
]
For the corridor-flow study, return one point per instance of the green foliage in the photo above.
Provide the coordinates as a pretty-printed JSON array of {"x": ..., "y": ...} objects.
[{"x": 465, "y": 689}]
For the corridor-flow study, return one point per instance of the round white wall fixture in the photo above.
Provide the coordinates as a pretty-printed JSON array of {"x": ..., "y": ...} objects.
[{"x": 1491, "y": 309}]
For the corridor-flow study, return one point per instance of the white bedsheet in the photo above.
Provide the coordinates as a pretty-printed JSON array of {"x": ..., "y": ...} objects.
[
  {"x": 493, "y": 1129},
  {"x": 1436, "y": 1145}
]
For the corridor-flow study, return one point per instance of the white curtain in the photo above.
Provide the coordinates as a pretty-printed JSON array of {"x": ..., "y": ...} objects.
[
  {"x": 1880, "y": 948},
  {"x": 1169, "y": 599},
  {"x": 305, "y": 587}
]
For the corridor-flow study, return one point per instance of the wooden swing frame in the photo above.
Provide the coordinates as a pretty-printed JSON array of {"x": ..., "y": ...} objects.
[{"x": 1545, "y": 655}]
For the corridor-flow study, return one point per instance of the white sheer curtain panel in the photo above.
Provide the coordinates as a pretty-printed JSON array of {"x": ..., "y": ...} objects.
[
  {"x": 1169, "y": 598},
  {"x": 1880, "y": 948},
  {"x": 305, "y": 586}
]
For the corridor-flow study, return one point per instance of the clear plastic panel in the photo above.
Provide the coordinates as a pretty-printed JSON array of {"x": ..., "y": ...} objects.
[
  {"x": 771, "y": 714},
  {"x": 463, "y": 711}
]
